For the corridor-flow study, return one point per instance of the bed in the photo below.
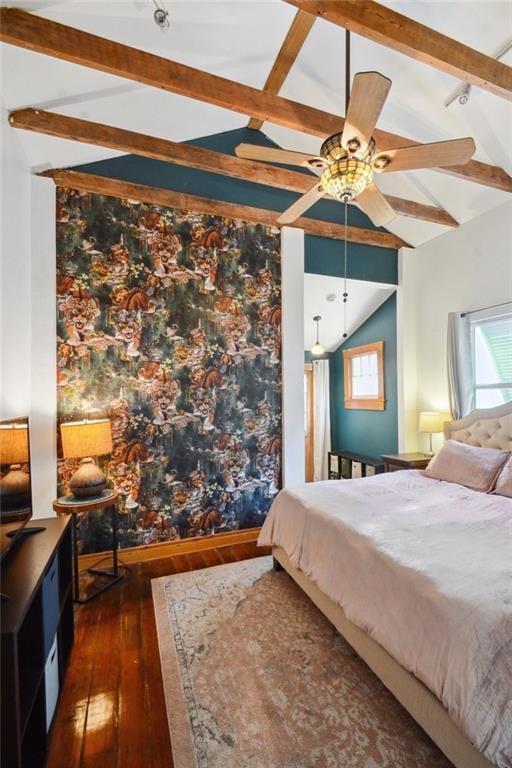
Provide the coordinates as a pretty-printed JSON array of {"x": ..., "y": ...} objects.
[{"x": 416, "y": 574}]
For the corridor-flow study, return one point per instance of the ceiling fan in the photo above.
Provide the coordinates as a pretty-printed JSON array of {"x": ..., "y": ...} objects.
[{"x": 349, "y": 159}]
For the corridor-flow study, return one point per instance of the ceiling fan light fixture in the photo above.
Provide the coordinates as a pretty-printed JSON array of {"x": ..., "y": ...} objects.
[
  {"x": 332, "y": 149},
  {"x": 381, "y": 162},
  {"x": 347, "y": 178},
  {"x": 353, "y": 146},
  {"x": 316, "y": 162}
]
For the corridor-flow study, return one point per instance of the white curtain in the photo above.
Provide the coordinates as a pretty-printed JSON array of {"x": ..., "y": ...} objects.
[
  {"x": 322, "y": 418},
  {"x": 460, "y": 365}
]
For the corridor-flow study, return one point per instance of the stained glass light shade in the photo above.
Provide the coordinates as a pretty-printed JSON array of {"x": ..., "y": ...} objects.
[
  {"x": 332, "y": 149},
  {"x": 345, "y": 179},
  {"x": 349, "y": 169}
]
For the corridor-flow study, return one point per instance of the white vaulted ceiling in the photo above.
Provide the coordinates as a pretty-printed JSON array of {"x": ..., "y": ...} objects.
[
  {"x": 240, "y": 40},
  {"x": 364, "y": 298}
]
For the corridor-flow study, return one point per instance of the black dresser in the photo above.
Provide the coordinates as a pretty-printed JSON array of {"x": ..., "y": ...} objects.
[{"x": 36, "y": 640}]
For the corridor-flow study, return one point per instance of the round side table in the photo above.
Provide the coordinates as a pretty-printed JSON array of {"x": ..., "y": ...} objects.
[{"x": 73, "y": 506}]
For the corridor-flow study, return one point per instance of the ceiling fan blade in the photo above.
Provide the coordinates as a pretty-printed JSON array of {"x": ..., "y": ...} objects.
[
  {"x": 375, "y": 205},
  {"x": 436, "y": 155},
  {"x": 274, "y": 155},
  {"x": 369, "y": 92},
  {"x": 302, "y": 204}
]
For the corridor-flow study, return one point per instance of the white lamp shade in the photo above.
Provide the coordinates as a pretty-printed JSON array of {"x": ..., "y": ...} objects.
[
  {"x": 13, "y": 444},
  {"x": 86, "y": 438},
  {"x": 317, "y": 349},
  {"x": 430, "y": 422}
]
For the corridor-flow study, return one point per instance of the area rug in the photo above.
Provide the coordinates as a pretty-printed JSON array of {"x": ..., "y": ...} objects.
[{"x": 256, "y": 677}]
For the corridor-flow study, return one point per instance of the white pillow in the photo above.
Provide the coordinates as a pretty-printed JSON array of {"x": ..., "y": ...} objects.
[
  {"x": 504, "y": 481},
  {"x": 467, "y": 465}
]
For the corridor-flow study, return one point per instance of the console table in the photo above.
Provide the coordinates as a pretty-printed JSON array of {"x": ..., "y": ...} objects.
[
  {"x": 350, "y": 458},
  {"x": 36, "y": 640}
]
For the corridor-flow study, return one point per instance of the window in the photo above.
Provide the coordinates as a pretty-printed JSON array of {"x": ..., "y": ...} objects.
[
  {"x": 491, "y": 344},
  {"x": 363, "y": 376}
]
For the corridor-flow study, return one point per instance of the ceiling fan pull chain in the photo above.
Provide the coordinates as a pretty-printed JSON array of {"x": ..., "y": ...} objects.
[
  {"x": 345, "y": 294},
  {"x": 347, "y": 69}
]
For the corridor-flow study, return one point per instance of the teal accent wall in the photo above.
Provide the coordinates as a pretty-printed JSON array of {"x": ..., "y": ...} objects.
[
  {"x": 323, "y": 256},
  {"x": 309, "y": 358},
  {"x": 369, "y": 432}
]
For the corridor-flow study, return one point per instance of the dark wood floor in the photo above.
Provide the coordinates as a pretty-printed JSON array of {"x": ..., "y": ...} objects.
[{"x": 111, "y": 712}]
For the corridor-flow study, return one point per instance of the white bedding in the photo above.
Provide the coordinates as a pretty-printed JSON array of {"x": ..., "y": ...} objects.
[{"x": 425, "y": 568}]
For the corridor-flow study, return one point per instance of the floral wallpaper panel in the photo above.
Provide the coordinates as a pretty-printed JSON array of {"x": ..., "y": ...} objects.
[{"x": 169, "y": 323}]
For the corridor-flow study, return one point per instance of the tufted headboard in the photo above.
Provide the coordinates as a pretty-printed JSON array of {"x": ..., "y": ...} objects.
[{"x": 485, "y": 427}]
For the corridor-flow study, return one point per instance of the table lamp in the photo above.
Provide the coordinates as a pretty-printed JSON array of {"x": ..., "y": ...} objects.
[
  {"x": 429, "y": 423},
  {"x": 15, "y": 485},
  {"x": 85, "y": 440}
]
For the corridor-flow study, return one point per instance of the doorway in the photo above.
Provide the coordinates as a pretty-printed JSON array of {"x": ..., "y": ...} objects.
[{"x": 327, "y": 318}]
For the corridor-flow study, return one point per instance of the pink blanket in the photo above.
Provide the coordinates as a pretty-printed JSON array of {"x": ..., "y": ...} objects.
[{"x": 425, "y": 568}]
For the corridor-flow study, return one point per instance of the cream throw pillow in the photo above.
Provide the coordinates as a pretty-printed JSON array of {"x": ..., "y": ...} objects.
[
  {"x": 467, "y": 465},
  {"x": 504, "y": 481}
]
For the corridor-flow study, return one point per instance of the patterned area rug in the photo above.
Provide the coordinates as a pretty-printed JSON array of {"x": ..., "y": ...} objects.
[{"x": 256, "y": 677}]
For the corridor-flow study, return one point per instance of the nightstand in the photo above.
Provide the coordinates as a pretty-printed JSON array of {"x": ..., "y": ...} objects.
[
  {"x": 70, "y": 505},
  {"x": 395, "y": 461}
]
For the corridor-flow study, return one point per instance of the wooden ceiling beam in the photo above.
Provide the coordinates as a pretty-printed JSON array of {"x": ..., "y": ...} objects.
[
  {"x": 85, "y": 131},
  {"x": 293, "y": 42},
  {"x": 88, "y": 182},
  {"x": 400, "y": 33},
  {"x": 413, "y": 210},
  {"x": 35, "y": 33}
]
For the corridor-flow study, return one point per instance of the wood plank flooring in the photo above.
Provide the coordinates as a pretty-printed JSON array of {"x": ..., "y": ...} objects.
[{"x": 111, "y": 712}]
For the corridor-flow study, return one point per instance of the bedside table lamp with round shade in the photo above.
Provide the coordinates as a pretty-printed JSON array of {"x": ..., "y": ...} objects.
[
  {"x": 430, "y": 423},
  {"x": 15, "y": 485},
  {"x": 85, "y": 440}
]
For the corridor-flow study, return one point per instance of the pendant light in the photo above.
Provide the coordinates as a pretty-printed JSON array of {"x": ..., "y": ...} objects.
[{"x": 317, "y": 348}]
